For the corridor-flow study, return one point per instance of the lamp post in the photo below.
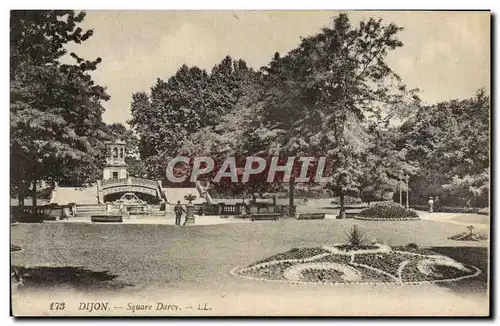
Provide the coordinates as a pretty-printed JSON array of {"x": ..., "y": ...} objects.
[
  {"x": 407, "y": 177},
  {"x": 400, "y": 188}
]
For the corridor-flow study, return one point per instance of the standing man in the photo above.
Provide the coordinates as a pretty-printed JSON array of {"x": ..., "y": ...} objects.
[
  {"x": 431, "y": 205},
  {"x": 436, "y": 203},
  {"x": 178, "y": 212}
]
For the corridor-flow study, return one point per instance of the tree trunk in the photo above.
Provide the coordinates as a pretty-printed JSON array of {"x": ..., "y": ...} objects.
[
  {"x": 342, "y": 205},
  {"x": 21, "y": 195},
  {"x": 33, "y": 198},
  {"x": 291, "y": 189}
]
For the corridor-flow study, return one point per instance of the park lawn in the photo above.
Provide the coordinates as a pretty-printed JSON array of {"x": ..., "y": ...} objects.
[
  {"x": 472, "y": 218},
  {"x": 200, "y": 256}
]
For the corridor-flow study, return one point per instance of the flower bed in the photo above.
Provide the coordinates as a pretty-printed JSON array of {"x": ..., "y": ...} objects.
[
  {"x": 347, "y": 247},
  {"x": 295, "y": 253},
  {"x": 413, "y": 272},
  {"x": 380, "y": 264},
  {"x": 386, "y": 219},
  {"x": 322, "y": 275},
  {"x": 468, "y": 236},
  {"x": 387, "y": 262},
  {"x": 387, "y": 211},
  {"x": 342, "y": 259},
  {"x": 271, "y": 272}
]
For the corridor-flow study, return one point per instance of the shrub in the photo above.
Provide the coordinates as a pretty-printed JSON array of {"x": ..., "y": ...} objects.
[
  {"x": 347, "y": 200},
  {"x": 448, "y": 209},
  {"x": 412, "y": 245},
  {"x": 484, "y": 211},
  {"x": 355, "y": 237},
  {"x": 388, "y": 210}
]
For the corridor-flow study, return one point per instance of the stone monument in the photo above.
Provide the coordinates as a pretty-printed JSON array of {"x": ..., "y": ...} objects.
[{"x": 190, "y": 209}]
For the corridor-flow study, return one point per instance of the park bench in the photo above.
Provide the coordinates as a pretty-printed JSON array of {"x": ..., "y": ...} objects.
[
  {"x": 312, "y": 216},
  {"x": 106, "y": 218},
  {"x": 265, "y": 217}
]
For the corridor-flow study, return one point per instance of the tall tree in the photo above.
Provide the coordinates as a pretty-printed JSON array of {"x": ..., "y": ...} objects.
[
  {"x": 55, "y": 108},
  {"x": 190, "y": 100},
  {"x": 450, "y": 142},
  {"x": 322, "y": 95}
]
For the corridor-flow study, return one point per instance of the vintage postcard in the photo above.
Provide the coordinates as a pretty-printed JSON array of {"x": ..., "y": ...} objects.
[{"x": 250, "y": 163}]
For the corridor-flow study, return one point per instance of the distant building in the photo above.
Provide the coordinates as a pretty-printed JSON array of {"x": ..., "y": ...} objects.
[{"x": 115, "y": 167}]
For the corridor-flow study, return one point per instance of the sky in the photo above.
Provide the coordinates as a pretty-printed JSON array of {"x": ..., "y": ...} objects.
[{"x": 445, "y": 54}]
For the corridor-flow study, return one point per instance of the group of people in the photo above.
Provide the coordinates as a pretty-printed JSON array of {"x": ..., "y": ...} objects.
[{"x": 433, "y": 203}]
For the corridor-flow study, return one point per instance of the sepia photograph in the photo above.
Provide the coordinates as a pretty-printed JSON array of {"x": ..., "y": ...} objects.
[{"x": 257, "y": 163}]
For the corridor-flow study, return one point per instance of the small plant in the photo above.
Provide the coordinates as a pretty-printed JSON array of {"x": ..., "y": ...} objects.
[
  {"x": 190, "y": 198},
  {"x": 355, "y": 238},
  {"x": 412, "y": 245},
  {"x": 469, "y": 236}
]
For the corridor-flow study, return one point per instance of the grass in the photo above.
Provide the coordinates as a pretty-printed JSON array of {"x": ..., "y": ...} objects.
[
  {"x": 475, "y": 256},
  {"x": 472, "y": 218},
  {"x": 198, "y": 256}
]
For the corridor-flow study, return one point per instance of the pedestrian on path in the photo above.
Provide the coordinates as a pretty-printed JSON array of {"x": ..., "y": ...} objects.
[
  {"x": 431, "y": 204},
  {"x": 436, "y": 203}
]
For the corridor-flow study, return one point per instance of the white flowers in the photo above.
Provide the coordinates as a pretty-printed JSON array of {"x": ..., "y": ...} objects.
[
  {"x": 294, "y": 273},
  {"x": 425, "y": 266}
]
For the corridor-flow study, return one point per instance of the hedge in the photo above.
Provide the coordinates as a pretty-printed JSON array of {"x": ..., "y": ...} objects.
[{"x": 448, "y": 209}]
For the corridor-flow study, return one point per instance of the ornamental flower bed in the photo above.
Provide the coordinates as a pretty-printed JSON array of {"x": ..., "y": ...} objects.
[
  {"x": 416, "y": 270},
  {"x": 469, "y": 236},
  {"x": 388, "y": 262},
  {"x": 381, "y": 264},
  {"x": 294, "y": 253},
  {"x": 388, "y": 211}
]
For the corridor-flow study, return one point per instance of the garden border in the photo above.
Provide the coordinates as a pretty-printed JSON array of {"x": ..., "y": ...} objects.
[
  {"x": 386, "y": 219},
  {"x": 234, "y": 272},
  {"x": 382, "y": 248}
]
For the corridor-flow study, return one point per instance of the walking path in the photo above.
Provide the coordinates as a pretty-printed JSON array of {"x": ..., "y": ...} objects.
[
  {"x": 480, "y": 221},
  {"x": 162, "y": 220}
]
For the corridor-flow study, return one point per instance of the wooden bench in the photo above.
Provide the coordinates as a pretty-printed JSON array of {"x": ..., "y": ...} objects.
[
  {"x": 312, "y": 216},
  {"x": 265, "y": 217},
  {"x": 106, "y": 218}
]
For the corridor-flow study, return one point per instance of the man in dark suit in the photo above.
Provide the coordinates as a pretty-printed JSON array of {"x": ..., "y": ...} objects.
[{"x": 178, "y": 213}]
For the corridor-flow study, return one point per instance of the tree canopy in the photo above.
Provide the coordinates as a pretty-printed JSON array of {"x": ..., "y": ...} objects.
[
  {"x": 55, "y": 108},
  {"x": 333, "y": 96},
  {"x": 450, "y": 143}
]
